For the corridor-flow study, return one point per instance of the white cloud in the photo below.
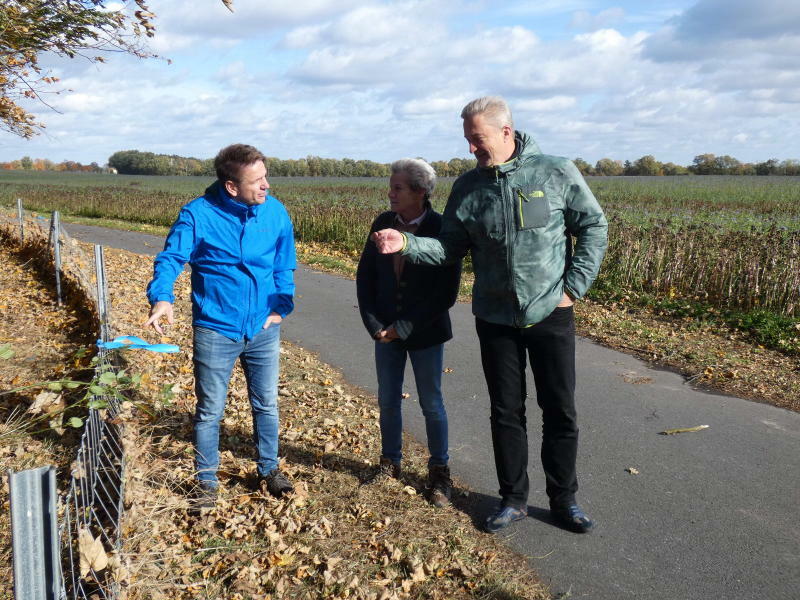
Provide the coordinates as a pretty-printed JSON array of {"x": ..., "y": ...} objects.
[
  {"x": 432, "y": 106},
  {"x": 554, "y": 103},
  {"x": 583, "y": 19},
  {"x": 382, "y": 79}
]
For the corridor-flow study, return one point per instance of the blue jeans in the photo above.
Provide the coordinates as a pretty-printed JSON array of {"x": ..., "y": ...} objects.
[
  {"x": 214, "y": 357},
  {"x": 390, "y": 364}
]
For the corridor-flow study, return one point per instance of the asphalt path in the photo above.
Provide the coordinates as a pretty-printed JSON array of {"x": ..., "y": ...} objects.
[{"x": 710, "y": 515}]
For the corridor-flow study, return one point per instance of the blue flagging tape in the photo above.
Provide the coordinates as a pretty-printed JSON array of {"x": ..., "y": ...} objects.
[{"x": 136, "y": 343}]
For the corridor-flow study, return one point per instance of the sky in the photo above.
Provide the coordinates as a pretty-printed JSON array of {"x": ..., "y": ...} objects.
[{"x": 385, "y": 79}]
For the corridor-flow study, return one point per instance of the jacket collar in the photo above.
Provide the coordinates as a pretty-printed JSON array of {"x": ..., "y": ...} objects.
[
  {"x": 526, "y": 148},
  {"x": 218, "y": 195}
]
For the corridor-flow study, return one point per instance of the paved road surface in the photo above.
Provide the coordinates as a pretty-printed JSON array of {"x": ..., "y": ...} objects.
[{"x": 711, "y": 515}]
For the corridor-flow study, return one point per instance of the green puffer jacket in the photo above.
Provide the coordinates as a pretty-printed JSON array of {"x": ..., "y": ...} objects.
[{"x": 518, "y": 219}]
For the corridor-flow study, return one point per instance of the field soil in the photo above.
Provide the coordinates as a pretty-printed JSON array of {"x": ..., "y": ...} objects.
[{"x": 336, "y": 537}]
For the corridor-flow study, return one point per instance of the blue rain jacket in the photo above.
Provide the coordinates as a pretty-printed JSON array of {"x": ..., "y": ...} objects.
[{"x": 242, "y": 259}]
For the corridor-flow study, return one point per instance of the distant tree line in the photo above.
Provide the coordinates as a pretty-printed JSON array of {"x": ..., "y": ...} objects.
[
  {"x": 26, "y": 163},
  {"x": 134, "y": 162},
  {"x": 703, "y": 164},
  {"x": 147, "y": 163}
]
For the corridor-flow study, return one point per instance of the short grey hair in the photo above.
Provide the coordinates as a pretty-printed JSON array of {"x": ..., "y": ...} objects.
[
  {"x": 494, "y": 107},
  {"x": 420, "y": 174}
]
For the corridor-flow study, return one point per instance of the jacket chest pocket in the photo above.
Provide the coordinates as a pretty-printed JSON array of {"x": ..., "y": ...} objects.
[{"x": 533, "y": 209}]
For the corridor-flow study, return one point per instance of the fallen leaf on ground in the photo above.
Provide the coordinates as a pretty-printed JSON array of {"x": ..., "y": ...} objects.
[
  {"x": 92, "y": 555},
  {"x": 683, "y": 430}
]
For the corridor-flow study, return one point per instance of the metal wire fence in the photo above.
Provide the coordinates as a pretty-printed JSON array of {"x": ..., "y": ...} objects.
[{"x": 90, "y": 511}]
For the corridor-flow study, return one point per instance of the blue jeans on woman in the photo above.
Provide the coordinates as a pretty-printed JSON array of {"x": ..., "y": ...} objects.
[
  {"x": 214, "y": 357},
  {"x": 390, "y": 364}
]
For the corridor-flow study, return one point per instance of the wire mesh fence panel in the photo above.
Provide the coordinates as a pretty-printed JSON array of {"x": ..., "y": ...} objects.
[
  {"x": 90, "y": 511},
  {"x": 93, "y": 508}
]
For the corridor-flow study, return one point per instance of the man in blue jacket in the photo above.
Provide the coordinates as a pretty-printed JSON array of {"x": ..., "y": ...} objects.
[{"x": 239, "y": 242}]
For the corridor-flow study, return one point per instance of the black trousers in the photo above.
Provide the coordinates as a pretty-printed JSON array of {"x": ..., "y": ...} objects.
[{"x": 550, "y": 345}]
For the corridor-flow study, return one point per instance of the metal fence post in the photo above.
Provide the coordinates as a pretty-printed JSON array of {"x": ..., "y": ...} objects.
[
  {"x": 55, "y": 236},
  {"x": 102, "y": 292},
  {"x": 34, "y": 534},
  {"x": 21, "y": 222}
]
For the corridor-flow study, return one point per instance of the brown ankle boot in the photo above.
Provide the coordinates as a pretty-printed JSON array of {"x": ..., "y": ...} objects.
[{"x": 440, "y": 485}]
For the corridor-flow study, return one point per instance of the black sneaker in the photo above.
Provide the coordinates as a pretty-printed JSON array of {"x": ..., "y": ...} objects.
[
  {"x": 276, "y": 484},
  {"x": 386, "y": 470},
  {"x": 440, "y": 485},
  {"x": 571, "y": 517},
  {"x": 204, "y": 497},
  {"x": 504, "y": 517}
]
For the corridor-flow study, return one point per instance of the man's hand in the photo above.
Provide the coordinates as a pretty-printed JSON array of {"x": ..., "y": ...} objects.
[
  {"x": 566, "y": 301},
  {"x": 162, "y": 308},
  {"x": 388, "y": 241},
  {"x": 385, "y": 336},
  {"x": 273, "y": 318}
]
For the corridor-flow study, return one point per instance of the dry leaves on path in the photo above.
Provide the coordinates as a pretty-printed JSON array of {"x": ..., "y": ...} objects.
[{"x": 333, "y": 538}]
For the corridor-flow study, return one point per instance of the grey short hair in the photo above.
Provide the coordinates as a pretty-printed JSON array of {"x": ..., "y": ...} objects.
[
  {"x": 494, "y": 107},
  {"x": 421, "y": 175}
]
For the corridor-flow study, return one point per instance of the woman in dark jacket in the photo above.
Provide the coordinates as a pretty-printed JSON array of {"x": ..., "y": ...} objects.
[{"x": 404, "y": 308}]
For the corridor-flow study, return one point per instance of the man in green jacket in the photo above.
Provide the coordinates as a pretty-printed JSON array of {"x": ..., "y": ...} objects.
[{"x": 519, "y": 212}]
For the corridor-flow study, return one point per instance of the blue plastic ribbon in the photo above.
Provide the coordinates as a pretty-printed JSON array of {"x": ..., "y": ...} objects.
[{"x": 136, "y": 343}]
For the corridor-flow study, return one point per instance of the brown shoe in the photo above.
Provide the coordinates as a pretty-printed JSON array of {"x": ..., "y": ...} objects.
[
  {"x": 440, "y": 485},
  {"x": 386, "y": 470}
]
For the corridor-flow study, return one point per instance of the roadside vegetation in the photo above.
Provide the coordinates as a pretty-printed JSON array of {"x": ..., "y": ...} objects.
[{"x": 39, "y": 342}]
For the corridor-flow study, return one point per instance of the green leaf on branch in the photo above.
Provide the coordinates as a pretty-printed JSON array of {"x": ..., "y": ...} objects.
[
  {"x": 75, "y": 422},
  {"x": 108, "y": 378},
  {"x": 56, "y": 386},
  {"x": 97, "y": 404},
  {"x": 98, "y": 390}
]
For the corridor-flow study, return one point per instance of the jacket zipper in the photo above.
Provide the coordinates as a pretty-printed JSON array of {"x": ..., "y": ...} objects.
[
  {"x": 246, "y": 323},
  {"x": 508, "y": 216},
  {"x": 521, "y": 198}
]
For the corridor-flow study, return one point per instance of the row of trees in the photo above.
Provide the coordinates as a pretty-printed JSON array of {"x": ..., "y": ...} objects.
[
  {"x": 147, "y": 163},
  {"x": 134, "y": 162},
  {"x": 26, "y": 163},
  {"x": 703, "y": 164}
]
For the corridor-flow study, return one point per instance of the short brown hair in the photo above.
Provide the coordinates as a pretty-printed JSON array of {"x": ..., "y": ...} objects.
[{"x": 230, "y": 161}]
